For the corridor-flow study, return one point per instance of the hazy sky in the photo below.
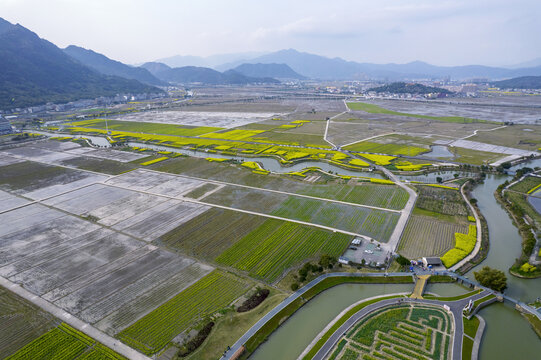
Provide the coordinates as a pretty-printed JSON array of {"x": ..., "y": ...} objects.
[{"x": 491, "y": 32}]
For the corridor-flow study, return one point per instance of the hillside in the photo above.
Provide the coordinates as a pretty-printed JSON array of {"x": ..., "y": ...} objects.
[
  {"x": 35, "y": 71},
  {"x": 106, "y": 66},
  {"x": 523, "y": 82},
  {"x": 280, "y": 71},
  {"x": 409, "y": 88},
  {"x": 195, "y": 74},
  {"x": 155, "y": 67}
]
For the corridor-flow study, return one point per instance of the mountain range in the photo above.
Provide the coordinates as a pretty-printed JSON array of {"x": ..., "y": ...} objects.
[
  {"x": 280, "y": 71},
  {"x": 197, "y": 74},
  {"x": 320, "y": 67},
  {"x": 35, "y": 71},
  {"x": 106, "y": 66}
]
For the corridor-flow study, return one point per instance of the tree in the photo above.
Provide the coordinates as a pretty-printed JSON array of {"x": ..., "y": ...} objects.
[
  {"x": 327, "y": 261},
  {"x": 402, "y": 260},
  {"x": 439, "y": 180},
  {"x": 506, "y": 165},
  {"x": 491, "y": 278}
]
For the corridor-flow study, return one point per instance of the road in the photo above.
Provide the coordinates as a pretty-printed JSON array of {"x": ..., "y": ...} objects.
[
  {"x": 255, "y": 328},
  {"x": 329, "y": 121},
  {"x": 392, "y": 244},
  {"x": 219, "y": 182},
  {"x": 479, "y": 233},
  {"x": 455, "y": 308},
  {"x": 235, "y": 209},
  {"x": 74, "y": 322}
]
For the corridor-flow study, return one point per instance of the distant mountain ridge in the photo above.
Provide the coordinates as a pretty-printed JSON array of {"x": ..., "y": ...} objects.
[
  {"x": 106, "y": 66},
  {"x": 280, "y": 71},
  {"x": 320, "y": 67},
  {"x": 523, "y": 82},
  {"x": 35, "y": 71},
  {"x": 207, "y": 61},
  {"x": 197, "y": 74}
]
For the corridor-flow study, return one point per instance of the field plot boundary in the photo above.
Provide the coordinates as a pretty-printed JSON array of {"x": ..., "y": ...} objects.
[
  {"x": 88, "y": 329},
  {"x": 273, "y": 191},
  {"x": 246, "y": 211}
]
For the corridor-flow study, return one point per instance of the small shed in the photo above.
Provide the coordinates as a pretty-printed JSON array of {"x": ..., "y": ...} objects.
[{"x": 434, "y": 261}]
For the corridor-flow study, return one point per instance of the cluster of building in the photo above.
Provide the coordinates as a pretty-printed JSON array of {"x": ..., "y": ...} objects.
[
  {"x": 5, "y": 126},
  {"x": 84, "y": 103}
]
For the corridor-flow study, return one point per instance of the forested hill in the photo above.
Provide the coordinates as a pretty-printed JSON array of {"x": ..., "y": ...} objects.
[{"x": 35, "y": 71}]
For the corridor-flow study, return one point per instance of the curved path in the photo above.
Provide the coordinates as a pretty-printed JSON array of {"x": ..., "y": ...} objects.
[
  {"x": 455, "y": 308},
  {"x": 479, "y": 233},
  {"x": 257, "y": 326}
]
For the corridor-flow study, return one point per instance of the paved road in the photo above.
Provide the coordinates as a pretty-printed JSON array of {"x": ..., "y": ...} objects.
[
  {"x": 455, "y": 307},
  {"x": 244, "y": 338},
  {"x": 329, "y": 121},
  {"x": 456, "y": 347},
  {"x": 392, "y": 244},
  {"x": 88, "y": 329},
  {"x": 272, "y": 191},
  {"x": 237, "y": 210},
  {"x": 479, "y": 233}
]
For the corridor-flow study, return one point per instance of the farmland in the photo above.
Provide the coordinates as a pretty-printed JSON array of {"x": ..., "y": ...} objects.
[
  {"x": 65, "y": 343},
  {"x": 209, "y": 234},
  {"x": 374, "y": 223},
  {"x": 20, "y": 322},
  {"x": 392, "y": 149},
  {"x": 276, "y": 246},
  {"x": 526, "y": 185},
  {"x": 398, "y": 333},
  {"x": 145, "y": 127},
  {"x": 426, "y": 236},
  {"x": 375, "y": 109},
  {"x": 390, "y": 197},
  {"x": 155, "y": 330},
  {"x": 439, "y": 200}
]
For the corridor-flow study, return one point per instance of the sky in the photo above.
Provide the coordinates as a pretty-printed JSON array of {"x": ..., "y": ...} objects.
[{"x": 441, "y": 32}]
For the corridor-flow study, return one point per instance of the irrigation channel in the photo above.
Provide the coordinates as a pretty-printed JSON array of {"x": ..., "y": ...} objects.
[
  {"x": 269, "y": 163},
  {"x": 507, "y": 334}
]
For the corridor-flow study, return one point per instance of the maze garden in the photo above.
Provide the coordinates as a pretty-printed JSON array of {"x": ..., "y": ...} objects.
[{"x": 398, "y": 332}]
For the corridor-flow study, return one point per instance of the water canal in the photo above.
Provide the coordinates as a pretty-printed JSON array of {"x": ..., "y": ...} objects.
[{"x": 507, "y": 334}]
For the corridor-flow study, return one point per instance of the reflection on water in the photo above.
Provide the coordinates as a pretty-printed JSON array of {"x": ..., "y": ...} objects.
[{"x": 439, "y": 152}]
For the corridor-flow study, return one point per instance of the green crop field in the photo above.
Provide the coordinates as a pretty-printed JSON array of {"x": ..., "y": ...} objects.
[
  {"x": 426, "y": 236},
  {"x": 201, "y": 190},
  {"x": 374, "y": 223},
  {"x": 268, "y": 251},
  {"x": 419, "y": 332},
  {"x": 526, "y": 185},
  {"x": 65, "y": 343},
  {"x": 20, "y": 322},
  {"x": 210, "y": 233},
  {"x": 246, "y": 199},
  {"x": 442, "y": 201},
  {"x": 144, "y": 127},
  {"x": 384, "y": 196},
  {"x": 210, "y": 294},
  {"x": 391, "y": 149},
  {"x": 375, "y": 109}
]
